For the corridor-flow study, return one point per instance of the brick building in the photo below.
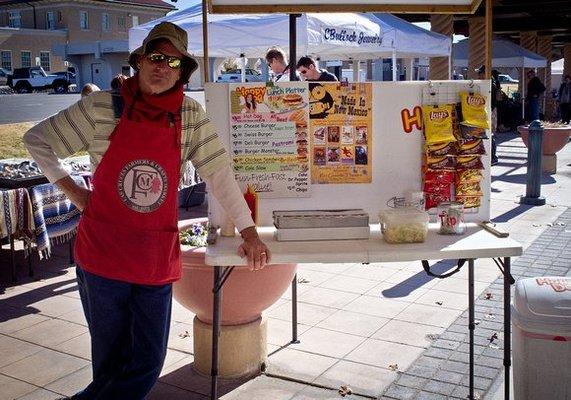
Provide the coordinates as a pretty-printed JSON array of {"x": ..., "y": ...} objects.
[{"x": 91, "y": 35}]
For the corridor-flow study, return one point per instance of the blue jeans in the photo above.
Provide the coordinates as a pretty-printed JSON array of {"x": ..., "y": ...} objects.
[
  {"x": 129, "y": 326},
  {"x": 533, "y": 109}
]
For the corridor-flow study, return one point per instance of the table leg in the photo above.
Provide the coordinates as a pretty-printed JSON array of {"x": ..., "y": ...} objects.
[
  {"x": 30, "y": 266},
  {"x": 217, "y": 293},
  {"x": 294, "y": 310},
  {"x": 12, "y": 257},
  {"x": 471, "y": 323},
  {"x": 507, "y": 327}
]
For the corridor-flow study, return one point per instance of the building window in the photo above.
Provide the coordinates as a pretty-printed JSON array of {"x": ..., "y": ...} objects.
[
  {"x": 121, "y": 22},
  {"x": 14, "y": 19},
  {"x": 105, "y": 22},
  {"x": 6, "y": 59},
  {"x": 26, "y": 57},
  {"x": 135, "y": 20},
  {"x": 50, "y": 20},
  {"x": 83, "y": 20},
  {"x": 45, "y": 60}
]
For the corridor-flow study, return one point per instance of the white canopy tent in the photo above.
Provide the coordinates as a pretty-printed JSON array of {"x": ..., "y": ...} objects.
[
  {"x": 504, "y": 54},
  {"x": 329, "y": 36}
]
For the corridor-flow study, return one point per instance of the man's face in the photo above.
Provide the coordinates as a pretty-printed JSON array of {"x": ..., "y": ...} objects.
[
  {"x": 530, "y": 75},
  {"x": 156, "y": 76},
  {"x": 309, "y": 72},
  {"x": 276, "y": 66}
]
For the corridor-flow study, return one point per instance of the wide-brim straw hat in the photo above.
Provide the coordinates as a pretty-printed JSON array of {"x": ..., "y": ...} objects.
[{"x": 174, "y": 34}]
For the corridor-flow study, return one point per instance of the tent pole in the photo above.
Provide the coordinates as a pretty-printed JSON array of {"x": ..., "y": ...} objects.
[
  {"x": 523, "y": 94},
  {"x": 488, "y": 40},
  {"x": 243, "y": 61},
  {"x": 394, "y": 61},
  {"x": 292, "y": 45},
  {"x": 205, "y": 39}
]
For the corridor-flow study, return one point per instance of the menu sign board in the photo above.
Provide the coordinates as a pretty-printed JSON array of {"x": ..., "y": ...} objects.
[{"x": 269, "y": 138}]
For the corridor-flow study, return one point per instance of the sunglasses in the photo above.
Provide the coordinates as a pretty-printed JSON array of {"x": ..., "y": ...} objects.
[
  {"x": 159, "y": 58},
  {"x": 303, "y": 71}
]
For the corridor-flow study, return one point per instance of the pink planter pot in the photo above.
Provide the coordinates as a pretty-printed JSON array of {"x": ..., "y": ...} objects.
[
  {"x": 554, "y": 139},
  {"x": 245, "y": 294}
]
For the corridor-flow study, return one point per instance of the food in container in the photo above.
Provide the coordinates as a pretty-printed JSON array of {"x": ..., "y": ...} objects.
[{"x": 404, "y": 225}]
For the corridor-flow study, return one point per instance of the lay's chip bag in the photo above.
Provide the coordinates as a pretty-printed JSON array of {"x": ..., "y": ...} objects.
[
  {"x": 438, "y": 124},
  {"x": 474, "y": 110}
]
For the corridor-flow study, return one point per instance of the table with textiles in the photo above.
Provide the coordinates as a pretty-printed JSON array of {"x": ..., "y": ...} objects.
[
  {"x": 475, "y": 243},
  {"x": 41, "y": 215}
]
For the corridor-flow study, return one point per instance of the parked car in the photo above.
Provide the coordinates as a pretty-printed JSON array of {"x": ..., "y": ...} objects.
[
  {"x": 67, "y": 75},
  {"x": 25, "y": 80},
  {"x": 235, "y": 75},
  {"x": 507, "y": 79},
  {"x": 4, "y": 73}
]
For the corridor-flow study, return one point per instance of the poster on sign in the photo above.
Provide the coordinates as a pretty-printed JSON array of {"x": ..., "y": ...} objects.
[
  {"x": 341, "y": 132},
  {"x": 269, "y": 139}
]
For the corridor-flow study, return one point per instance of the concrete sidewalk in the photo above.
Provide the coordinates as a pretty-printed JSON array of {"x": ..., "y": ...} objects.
[{"x": 387, "y": 331}]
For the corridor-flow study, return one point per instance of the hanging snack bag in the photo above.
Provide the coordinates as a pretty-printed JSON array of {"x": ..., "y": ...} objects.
[
  {"x": 468, "y": 189},
  {"x": 438, "y": 124},
  {"x": 469, "y": 132},
  {"x": 469, "y": 201},
  {"x": 469, "y": 162},
  {"x": 474, "y": 109},
  {"x": 468, "y": 175},
  {"x": 471, "y": 147},
  {"x": 443, "y": 162},
  {"x": 442, "y": 149},
  {"x": 437, "y": 187}
]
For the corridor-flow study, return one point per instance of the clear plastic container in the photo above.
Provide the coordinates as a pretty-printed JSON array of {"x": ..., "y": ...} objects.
[{"x": 404, "y": 225}]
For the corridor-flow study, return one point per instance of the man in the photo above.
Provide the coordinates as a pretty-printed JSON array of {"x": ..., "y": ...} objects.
[
  {"x": 307, "y": 67},
  {"x": 493, "y": 103},
  {"x": 277, "y": 61},
  {"x": 534, "y": 91},
  {"x": 564, "y": 98},
  {"x": 127, "y": 247}
]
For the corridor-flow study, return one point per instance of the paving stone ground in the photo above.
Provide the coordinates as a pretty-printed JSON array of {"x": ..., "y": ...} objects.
[{"x": 441, "y": 372}]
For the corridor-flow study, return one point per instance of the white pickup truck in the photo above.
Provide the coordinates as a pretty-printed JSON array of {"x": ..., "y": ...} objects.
[{"x": 25, "y": 80}]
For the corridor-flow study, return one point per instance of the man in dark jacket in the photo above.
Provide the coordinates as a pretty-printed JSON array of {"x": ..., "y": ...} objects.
[{"x": 534, "y": 91}]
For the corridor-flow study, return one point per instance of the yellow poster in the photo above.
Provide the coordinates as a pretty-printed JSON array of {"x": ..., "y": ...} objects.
[{"x": 340, "y": 118}]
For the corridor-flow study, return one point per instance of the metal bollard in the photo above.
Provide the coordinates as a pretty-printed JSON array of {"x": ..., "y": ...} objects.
[{"x": 533, "y": 184}]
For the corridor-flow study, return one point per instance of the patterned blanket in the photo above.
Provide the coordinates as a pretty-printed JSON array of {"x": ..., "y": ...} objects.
[
  {"x": 55, "y": 217},
  {"x": 16, "y": 218}
]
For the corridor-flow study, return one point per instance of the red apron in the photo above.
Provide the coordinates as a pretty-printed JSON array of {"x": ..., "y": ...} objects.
[{"x": 128, "y": 231}]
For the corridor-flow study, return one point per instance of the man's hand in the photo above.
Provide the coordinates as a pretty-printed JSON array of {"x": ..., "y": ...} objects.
[
  {"x": 257, "y": 252},
  {"x": 78, "y": 195}
]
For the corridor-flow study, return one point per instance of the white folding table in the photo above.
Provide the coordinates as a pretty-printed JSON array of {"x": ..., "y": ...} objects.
[{"x": 475, "y": 243}]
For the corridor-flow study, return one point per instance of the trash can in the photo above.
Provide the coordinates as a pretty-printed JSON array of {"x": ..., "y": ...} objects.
[{"x": 541, "y": 323}]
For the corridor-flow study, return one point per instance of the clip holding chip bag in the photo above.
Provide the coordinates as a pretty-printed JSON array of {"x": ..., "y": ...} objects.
[{"x": 474, "y": 109}]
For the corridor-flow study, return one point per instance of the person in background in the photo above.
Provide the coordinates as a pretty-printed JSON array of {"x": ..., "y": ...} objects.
[
  {"x": 564, "y": 96},
  {"x": 277, "y": 61},
  {"x": 308, "y": 69},
  {"x": 117, "y": 81},
  {"x": 495, "y": 91},
  {"x": 89, "y": 88},
  {"x": 534, "y": 91},
  {"x": 127, "y": 247}
]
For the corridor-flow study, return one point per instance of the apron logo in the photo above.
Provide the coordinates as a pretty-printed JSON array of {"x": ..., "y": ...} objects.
[{"x": 142, "y": 185}]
